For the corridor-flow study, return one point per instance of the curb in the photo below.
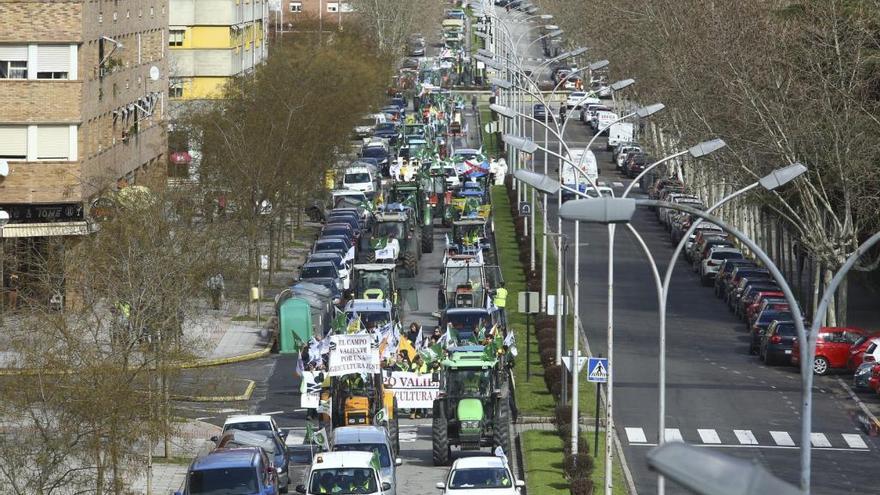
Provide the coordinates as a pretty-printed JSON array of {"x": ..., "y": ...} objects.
[
  {"x": 867, "y": 420},
  {"x": 202, "y": 363},
  {"x": 248, "y": 392}
]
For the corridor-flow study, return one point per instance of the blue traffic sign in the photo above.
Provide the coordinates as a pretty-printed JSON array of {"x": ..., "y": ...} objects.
[{"x": 597, "y": 370}]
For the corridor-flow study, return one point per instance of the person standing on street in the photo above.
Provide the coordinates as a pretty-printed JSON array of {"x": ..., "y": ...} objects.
[
  {"x": 216, "y": 286},
  {"x": 500, "y": 302},
  {"x": 474, "y": 103}
]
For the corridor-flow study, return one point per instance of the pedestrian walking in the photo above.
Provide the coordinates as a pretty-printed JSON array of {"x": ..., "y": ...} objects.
[
  {"x": 216, "y": 285},
  {"x": 500, "y": 302},
  {"x": 474, "y": 103}
]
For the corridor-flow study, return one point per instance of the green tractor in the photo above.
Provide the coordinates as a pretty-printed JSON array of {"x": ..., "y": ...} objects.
[
  {"x": 396, "y": 238},
  {"x": 441, "y": 194},
  {"x": 474, "y": 406},
  {"x": 414, "y": 194}
]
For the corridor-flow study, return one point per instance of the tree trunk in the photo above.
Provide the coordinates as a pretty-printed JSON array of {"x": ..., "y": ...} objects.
[
  {"x": 830, "y": 316},
  {"x": 842, "y": 296},
  {"x": 816, "y": 272}
]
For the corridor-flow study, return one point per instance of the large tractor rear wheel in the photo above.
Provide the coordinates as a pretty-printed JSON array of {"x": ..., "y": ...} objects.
[
  {"x": 428, "y": 239},
  {"x": 440, "y": 452},
  {"x": 411, "y": 263},
  {"x": 501, "y": 431}
]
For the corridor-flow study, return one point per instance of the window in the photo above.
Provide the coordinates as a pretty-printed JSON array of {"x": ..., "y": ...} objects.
[
  {"x": 53, "y": 61},
  {"x": 175, "y": 88},
  {"x": 175, "y": 37},
  {"x": 53, "y": 142},
  {"x": 296, "y": 7},
  {"x": 13, "y": 61},
  {"x": 13, "y": 142}
]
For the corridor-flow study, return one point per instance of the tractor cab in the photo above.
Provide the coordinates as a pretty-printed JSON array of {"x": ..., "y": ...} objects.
[
  {"x": 463, "y": 284},
  {"x": 376, "y": 281},
  {"x": 396, "y": 237},
  {"x": 470, "y": 236}
]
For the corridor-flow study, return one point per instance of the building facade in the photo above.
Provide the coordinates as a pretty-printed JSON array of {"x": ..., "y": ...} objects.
[
  {"x": 211, "y": 41},
  {"x": 329, "y": 13},
  {"x": 83, "y": 87}
]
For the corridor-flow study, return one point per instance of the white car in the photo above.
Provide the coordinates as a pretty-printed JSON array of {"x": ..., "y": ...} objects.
[
  {"x": 576, "y": 101},
  {"x": 253, "y": 422},
  {"x": 359, "y": 179},
  {"x": 482, "y": 475},
  {"x": 710, "y": 265}
]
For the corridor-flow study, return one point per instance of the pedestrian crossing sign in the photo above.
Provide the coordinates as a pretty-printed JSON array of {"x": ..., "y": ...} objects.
[{"x": 597, "y": 370}]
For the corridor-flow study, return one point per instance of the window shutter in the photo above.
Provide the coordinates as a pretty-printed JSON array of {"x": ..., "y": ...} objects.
[
  {"x": 53, "y": 142},
  {"x": 53, "y": 58},
  {"x": 15, "y": 53},
  {"x": 13, "y": 140}
]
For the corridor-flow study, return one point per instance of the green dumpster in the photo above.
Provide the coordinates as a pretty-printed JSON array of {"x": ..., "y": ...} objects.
[{"x": 295, "y": 324}]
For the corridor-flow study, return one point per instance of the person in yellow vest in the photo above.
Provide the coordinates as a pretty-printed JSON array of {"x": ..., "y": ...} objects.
[
  {"x": 500, "y": 302},
  {"x": 418, "y": 367}
]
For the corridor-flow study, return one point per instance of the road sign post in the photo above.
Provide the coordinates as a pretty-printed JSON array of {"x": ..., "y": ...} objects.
[
  {"x": 525, "y": 209},
  {"x": 597, "y": 372},
  {"x": 527, "y": 302}
]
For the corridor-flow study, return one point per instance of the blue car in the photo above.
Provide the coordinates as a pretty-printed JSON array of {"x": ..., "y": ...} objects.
[{"x": 244, "y": 471}]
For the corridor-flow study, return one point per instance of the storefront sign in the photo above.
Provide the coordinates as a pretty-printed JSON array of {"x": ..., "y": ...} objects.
[{"x": 44, "y": 213}]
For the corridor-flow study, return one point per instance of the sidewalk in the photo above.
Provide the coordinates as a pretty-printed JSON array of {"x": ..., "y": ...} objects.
[{"x": 191, "y": 440}]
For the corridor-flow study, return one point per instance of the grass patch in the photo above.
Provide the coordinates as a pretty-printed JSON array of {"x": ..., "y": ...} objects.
[
  {"x": 619, "y": 484},
  {"x": 543, "y": 452},
  {"x": 532, "y": 397},
  {"x": 491, "y": 141}
]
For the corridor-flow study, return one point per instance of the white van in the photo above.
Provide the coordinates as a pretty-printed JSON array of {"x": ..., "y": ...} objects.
[
  {"x": 359, "y": 179},
  {"x": 577, "y": 101},
  {"x": 603, "y": 120},
  {"x": 576, "y": 179},
  {"x": 335, "y": 472},
  {"x": 619, "y": 133}
]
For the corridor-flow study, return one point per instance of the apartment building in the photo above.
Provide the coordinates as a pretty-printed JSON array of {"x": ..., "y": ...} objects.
[
  {"x": 211, "y": 41},
  {"x": 82, "y": 94},
  {"x": 328, "y": 13}
]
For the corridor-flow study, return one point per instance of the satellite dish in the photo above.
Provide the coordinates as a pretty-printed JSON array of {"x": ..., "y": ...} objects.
[
  {"x": 154, "y": 73},
  {"x": 4, "y": 168}
]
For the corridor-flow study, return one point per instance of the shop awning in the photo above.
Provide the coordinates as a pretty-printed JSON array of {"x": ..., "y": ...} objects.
[{"x": 54, "y": 229}]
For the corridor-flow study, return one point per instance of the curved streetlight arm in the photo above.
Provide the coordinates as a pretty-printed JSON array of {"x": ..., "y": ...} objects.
[
  {"x": 797, "y": 316},
  {"x": 650, "y": 167}
]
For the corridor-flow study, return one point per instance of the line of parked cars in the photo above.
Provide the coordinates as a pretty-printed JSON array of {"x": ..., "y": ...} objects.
[{"x": 751, "y": 293}]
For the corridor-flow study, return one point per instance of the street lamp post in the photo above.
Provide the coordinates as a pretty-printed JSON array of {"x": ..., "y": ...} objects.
[{"x": 620, "y": 210}]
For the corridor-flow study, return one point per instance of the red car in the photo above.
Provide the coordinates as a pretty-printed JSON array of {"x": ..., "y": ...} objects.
[
  {"x": 857, "y": 351},
  {"x": 832, "y": 348},
  {"x": 755, "y": 305}
]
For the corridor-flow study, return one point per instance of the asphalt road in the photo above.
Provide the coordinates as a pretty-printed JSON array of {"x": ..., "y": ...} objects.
[{"x": 718, "y": 396}]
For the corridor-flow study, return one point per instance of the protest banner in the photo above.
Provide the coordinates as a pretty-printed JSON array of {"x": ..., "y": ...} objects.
[
  {"x": 310, "y": 390},
  {"x": 412, "y": 390},
  {"x": 357, "y": 353}
]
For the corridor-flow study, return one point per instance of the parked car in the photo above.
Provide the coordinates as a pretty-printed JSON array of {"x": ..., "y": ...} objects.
[
  {"x": 832, "y": 348},
  {"x": 761, "y": 324},
  {"x": 635, "y": 164},
  {"x": 777, "y": 343},
  {"x": 490, "y": 474},
  {"x": 359, "y": 179},
  {"x": 241, "y": 471},
  {"x": 342, "y": 267},
  {"x": 725, "y": 271},
  {"x": 752, "y": 293},
  {"x": 539, "y": 111},
  {"x": 709, "y": 266},
  {"x": 267, "y": 440},
  {"x": 321, "y": 270},
  {"x": 863, "y": 375},
  {"x": 864, "y": 350}
]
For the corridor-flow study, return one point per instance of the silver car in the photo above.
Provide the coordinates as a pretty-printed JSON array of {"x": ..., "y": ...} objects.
[{"x": 370, "y": 439}]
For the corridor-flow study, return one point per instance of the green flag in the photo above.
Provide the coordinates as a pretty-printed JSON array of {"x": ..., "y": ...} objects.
[
  {"x": 381, "y": 416},
  {"x": 375, "y": 463},
  {"x": 310, "y": 431},
  {"x": 321, "y": 439}
]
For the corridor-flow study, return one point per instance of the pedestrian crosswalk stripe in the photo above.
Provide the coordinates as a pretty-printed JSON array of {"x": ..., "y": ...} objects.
[
  {"x": 673, "y": 435},
  {"x": 618, "y": 184},
  {"x": 745, "y": 437},
  {"x": 635, "y": 435},
  {"x": 782, "y": 438},
  {"x": 855, "y": 441},
  {"x": 709, "y": 436},
  {"x": 819, "y": 440}
]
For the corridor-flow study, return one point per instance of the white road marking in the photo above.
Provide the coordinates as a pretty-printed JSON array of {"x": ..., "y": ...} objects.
[
  {"x": 745, "y": 437},
  {"x": 782, "y": 438},
  {"x": 673, "y": 435},
  {"x": 709, "y": 436},
  {"x": 819, "y": 440},
  {"x": 854, "y": 440},
  {"x": 272, "y": 413},
  {"x": 635, "y": 435},
  {"x": 618, "y": 184}
]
